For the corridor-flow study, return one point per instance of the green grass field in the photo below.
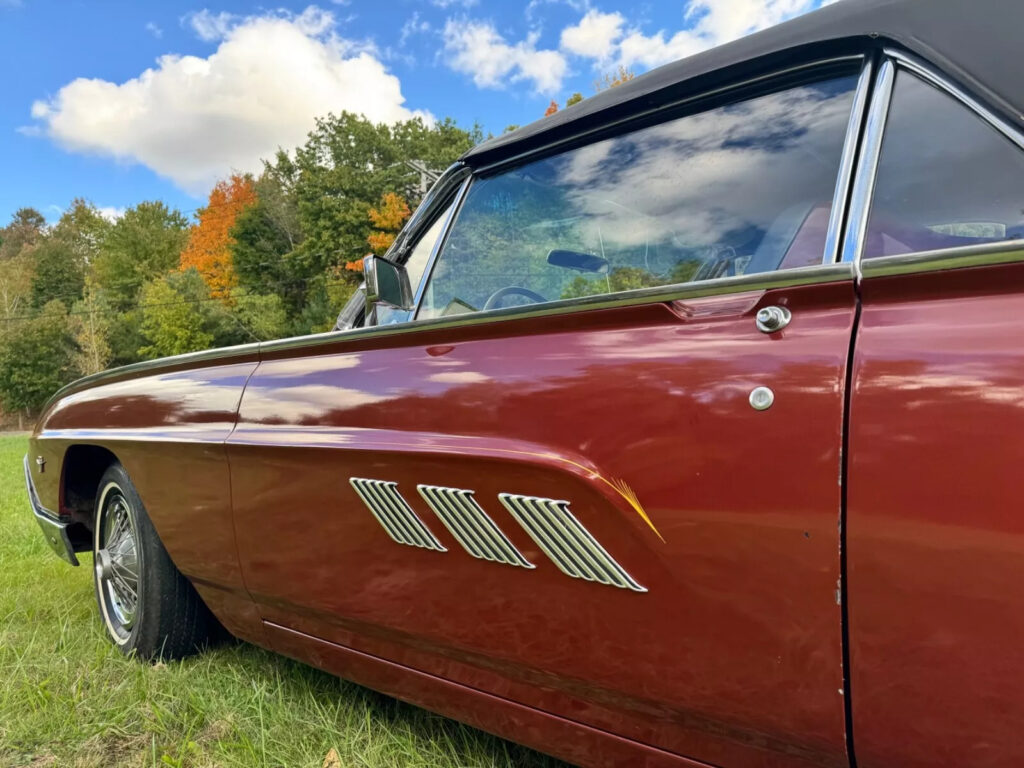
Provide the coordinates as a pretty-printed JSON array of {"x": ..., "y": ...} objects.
[{"x": 68, "y": 698}]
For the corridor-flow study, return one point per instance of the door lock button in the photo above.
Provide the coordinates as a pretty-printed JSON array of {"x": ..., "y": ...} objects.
[{"x": 772, "y": 319}]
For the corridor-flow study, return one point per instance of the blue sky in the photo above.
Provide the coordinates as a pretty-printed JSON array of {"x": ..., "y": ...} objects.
[{"x": 120, "y": 102}]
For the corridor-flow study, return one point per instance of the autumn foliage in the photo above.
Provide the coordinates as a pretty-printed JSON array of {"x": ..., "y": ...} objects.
[
  {"x": 552, "y": 108},
  {"x": 387, "y": 218},
  {"x": 209, "y": 244}
]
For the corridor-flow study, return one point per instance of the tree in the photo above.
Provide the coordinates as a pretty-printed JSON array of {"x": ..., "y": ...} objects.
[
  {"x": 59, "y": 273},
  {"x": 27, "y": 225},
  {"x": 388, "y": 218},
  {"x": 37, "y": 359},
  {"x": 173, "y": 316},
  {"x": 83, "y": 229},
  {"x": 552, "y": 108},
  {"x": 144, "y": 243},
  {"x": 614, "y": 78},
  {"x": 576, "y": 98},
  {"x": 90, "y": 325},
  {"x": 209, "y": 244}
]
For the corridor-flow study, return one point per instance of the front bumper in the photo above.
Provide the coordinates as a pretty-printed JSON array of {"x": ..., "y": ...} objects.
[{"x": 55, "y": 530}]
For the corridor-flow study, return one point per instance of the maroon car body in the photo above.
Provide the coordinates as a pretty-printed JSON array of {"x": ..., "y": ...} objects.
[{"x": 575, "y": 523}]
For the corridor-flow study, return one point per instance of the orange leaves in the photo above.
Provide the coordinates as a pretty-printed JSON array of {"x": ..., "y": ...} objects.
[
  {"x": 388, "y": 218},
  {"x": 552, "y": 108},
  {"x": 209, "y": 244}
]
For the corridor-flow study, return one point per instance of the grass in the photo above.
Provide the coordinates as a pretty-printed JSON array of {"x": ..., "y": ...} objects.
[{"x": 68, "y": 698}]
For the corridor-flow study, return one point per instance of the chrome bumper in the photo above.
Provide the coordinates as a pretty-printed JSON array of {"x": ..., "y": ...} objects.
[{"x": 55, "y": 531}]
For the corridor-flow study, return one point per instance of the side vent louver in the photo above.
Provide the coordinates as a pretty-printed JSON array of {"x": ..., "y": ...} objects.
[
  {"x": 471, "y": 526},
  {"x": 564, "y": 539},
  {"x": 394, "y": 514}
]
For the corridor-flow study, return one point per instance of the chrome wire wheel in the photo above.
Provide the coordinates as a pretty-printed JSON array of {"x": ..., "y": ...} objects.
[{"x": 117, "y": 563}]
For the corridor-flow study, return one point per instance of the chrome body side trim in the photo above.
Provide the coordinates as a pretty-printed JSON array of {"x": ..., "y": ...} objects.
[
  {"x": 55, "y": 530},
  {"x": 469, "y": 524},
  {"x": 847, "y": 165},
  {"x": 981, "y": 255},
  {"x": 870, "y": 149},
  {"x": 394, "y": 514},
  {"x": 564, "y": 539}
]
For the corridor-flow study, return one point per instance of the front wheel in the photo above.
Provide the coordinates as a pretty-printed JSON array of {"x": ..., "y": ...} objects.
[{"x": 148, "y": 607}]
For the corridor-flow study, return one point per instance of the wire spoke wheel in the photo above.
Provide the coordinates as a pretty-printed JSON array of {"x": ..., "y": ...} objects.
[{"x": 118, "y": 573}]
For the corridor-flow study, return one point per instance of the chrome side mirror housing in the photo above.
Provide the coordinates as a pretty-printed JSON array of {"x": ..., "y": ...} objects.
[{"x": 387, "y": 287}]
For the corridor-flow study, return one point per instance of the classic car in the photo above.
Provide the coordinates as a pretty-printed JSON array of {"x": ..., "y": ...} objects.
[{"x": 682, "y": 427}]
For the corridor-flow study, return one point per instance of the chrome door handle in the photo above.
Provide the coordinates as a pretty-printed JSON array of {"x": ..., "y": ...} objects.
[{"x": 772, "y": 319}]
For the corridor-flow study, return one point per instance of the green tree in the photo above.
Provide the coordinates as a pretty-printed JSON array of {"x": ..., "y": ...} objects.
[
  {"x": 83, "y": 229},
  {"x": 26, "y": 226},
  {"x": 173, "y": 316},
  {"x": 37, "y": 359},
  {"x": 144, "y": 243},
  {"x": 59, "y": 272},
  {"x": 576, "y": 98},
  {"x": 90, "y": 324}
]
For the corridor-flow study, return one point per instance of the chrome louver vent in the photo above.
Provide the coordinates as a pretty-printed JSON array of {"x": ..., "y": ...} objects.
[
  {"x": 564, "y": 539},
  {"x": 394, "y": 514},
  {"x": 471, "y": 526}
]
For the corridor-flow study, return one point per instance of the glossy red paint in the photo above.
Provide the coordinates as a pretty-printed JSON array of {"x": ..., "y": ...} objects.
[
  {"x": 168, "y": 430},
  {"x": 733, "y": 655},
  {"x": 935, "y": 534}
]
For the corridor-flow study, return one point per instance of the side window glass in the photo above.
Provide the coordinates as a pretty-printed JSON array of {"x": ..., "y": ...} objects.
[
  {"x": 946, "y": 178},
  {"x": 739, "y": 189}
]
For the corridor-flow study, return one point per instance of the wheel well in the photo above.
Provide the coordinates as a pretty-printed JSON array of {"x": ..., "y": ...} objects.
[{"x": 84, "y": 466}]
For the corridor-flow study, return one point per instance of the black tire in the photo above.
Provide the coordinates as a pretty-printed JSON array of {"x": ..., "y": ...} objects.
[{"x": 167, "y": 619}]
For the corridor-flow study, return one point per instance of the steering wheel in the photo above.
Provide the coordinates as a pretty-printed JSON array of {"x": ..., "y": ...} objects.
[{"x": 512, "y": 290}]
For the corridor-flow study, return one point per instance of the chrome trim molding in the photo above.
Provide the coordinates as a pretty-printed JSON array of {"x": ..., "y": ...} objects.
[
  {"x": 55, "y": 530},
  {"x": 564, "y": 539},
  {"x": 145, "y": 367},
  {"x": 847, "y": 165},
  {"x": 870, "y": 150},
  {"x": 394, "y": 514},
  {"x": 470, "y": 525},
  {"x": 442, "y": 238},
  {"x": 554, "y": 146},
  {"x": 761, "y": 281},
  {"x": 983, "y": 255},
  {"x": 932, "y": 76}
]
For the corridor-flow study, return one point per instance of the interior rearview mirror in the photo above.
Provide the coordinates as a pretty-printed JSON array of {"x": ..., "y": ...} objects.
[
  {"x": 584, "y": 262},
  {"x": 387, "y": 285}
]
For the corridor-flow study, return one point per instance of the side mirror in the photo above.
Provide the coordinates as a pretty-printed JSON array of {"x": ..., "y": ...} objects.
[{"x": 387, "y": 285}]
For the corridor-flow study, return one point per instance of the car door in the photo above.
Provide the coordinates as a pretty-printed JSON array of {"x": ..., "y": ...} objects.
[
  {"x": 599, "y": 474},
  {"x": 935, "y": 532}
]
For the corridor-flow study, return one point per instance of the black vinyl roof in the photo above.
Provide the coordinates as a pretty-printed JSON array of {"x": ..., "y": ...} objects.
[{"x": 978, "y": 43}]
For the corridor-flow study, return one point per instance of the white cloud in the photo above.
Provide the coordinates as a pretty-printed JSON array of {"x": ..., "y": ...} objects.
[
  {"x": 476, "y": 49},
  {"x": 194, "y": 120},
  {"x": 154, "y": 29},
  {"x": 451, "y": 3},
  {"x": 594, "y": 36},
  {"x": 211, "y": 26},
  {"x": 111, "y": 213},
  {"x": 601, "y": 37},
  {"x": 413, "y": 26}
]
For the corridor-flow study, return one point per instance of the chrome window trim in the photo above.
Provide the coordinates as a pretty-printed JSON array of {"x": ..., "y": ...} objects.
[
  {"x": 870, "y": 150},
  {"x": 761, "y": 281},
  {"x": 963, "y": 257},
  {"x": 982, "y": 254},
  {"x": 442, "y": 238},
  {"x": 613, "y": 128},
  {"x": 848, "y": 165},
  {"x": 932, "y": 76}
]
